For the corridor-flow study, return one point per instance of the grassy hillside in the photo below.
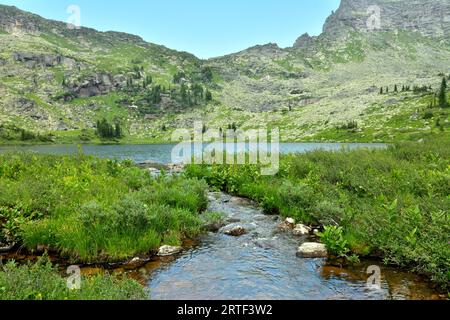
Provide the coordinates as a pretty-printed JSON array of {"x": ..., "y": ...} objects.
[{"x": 58, "y": 83}]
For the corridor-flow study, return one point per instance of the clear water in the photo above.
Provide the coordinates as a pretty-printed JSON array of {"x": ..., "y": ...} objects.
[
  {"x": 161, "y": 153},
  {"x": 263, "y": 265}
]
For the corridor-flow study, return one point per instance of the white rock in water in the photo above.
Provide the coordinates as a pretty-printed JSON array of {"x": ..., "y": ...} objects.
[
  {"x": 301, "y": 230},
  {"x": 168, "y": 250},
  {"x": 312, "y": 250}
]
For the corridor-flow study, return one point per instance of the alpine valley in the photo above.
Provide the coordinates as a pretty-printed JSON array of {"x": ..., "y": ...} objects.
[
  {"x": 350, "y": 84},
  {"x": 110, "y": 207}
]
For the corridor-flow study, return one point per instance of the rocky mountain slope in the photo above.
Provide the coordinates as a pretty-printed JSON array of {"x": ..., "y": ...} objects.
[{"x": 58, "y": 81}]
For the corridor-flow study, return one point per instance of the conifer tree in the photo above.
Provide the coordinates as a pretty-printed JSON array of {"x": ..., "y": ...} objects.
[
  {"x": 208, "y": 95},
  {"x": 442, "y": 96}
]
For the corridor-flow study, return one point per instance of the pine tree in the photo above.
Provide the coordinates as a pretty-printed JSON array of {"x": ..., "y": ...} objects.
[
  {"x": 395, "y": 89},
  {"x": 118, "y": 131},
  {"x": 381, "y": 90},
  {"x": 106, "y": 131},
  {"x": 442, "y": 97},
  {"x": 184, "y": 94},
  {"x": 129, "y": 82},
  {"x": 208, "y": 95},
  {"x": 147, "y": 81}
]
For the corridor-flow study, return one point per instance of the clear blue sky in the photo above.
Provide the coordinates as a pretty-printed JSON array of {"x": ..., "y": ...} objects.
[{"x": 206, "y": 28}]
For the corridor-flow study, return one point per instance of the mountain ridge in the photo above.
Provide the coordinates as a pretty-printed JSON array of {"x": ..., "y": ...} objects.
[{"x": 63, "y": 81}]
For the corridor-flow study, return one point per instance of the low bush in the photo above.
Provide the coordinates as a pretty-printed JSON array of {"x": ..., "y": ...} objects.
[{"x": 333, "y": 238}]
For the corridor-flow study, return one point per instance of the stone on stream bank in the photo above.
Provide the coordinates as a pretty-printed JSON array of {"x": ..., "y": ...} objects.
[
  {"x": 155, "y": 169},
  {"x": 298, "y": 230},
  {"x": 290, "y": 222},
  {"x": 6, "y": 248},
  {"x": 312, "y": 250},
  {"x": 286, "y": 225},
  {"x": 301, "y": 230},
  {"x": 169, "y": 251}
]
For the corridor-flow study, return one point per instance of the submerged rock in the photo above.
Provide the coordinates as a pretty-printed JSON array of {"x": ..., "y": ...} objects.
[
  {"x": 169, "y": 250},
  {"x": 301, "y": 230},
  {"x": 312, "y": 250},
  {"x": 213, "y": 227},
  {"x": 235, "y": 231},
  {"x": 241, "y": 201}
]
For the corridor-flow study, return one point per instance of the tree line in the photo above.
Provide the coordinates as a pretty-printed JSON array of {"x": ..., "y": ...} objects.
[
  {"x": 106, "y": 130},
  {"x": 441, "y": 94}
]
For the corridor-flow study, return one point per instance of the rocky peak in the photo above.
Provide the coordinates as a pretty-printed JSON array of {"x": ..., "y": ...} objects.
[
  {"x": 429, "y": 17},
  {"x": 14, "y": 20},
  {"x": 265, "y": 47},
  {"x": 304, "y": 41},
  {"x": 266, "y": 50}
]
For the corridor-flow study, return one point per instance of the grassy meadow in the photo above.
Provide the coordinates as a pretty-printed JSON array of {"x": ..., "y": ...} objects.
[{"x": 92, "y": 210}]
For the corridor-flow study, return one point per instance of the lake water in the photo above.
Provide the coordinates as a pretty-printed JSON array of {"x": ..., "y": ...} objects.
[{"x": 162, "y": 153}]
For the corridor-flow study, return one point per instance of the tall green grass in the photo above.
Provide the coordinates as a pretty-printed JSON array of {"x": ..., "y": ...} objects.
[
  {"x": 42, "y": 281},
  {"x": 392, "y": 203},
  {"x": 94, "y": 210}
]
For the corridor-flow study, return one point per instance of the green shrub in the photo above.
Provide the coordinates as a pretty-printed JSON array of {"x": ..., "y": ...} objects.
[{"x": 333, "y": 238}]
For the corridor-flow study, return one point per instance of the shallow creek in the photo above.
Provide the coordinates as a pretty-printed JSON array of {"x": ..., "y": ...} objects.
[{"x": 263, "y": 265}]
